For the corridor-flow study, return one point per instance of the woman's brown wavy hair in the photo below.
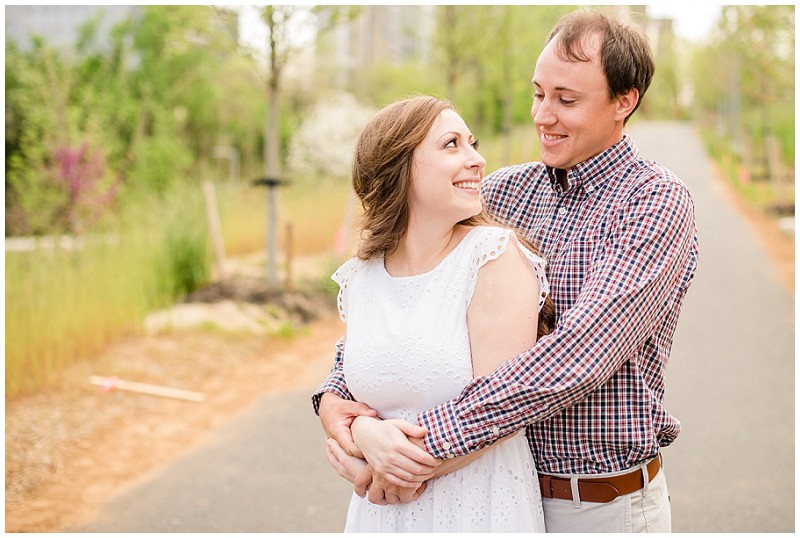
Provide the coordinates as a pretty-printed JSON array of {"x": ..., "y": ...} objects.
[
  {"x": 381, "y": 177},
  {"x": 382, "y": 170}
]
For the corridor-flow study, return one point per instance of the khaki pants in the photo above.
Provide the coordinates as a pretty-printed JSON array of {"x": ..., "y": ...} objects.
[{"x": 646, "y": 510}]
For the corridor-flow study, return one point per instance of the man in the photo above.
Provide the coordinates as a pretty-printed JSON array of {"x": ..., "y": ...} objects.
[{"x": 619, "y": 234}]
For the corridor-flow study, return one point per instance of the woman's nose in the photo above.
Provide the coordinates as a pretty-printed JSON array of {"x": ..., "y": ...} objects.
[{"x": 476, "y": 160}]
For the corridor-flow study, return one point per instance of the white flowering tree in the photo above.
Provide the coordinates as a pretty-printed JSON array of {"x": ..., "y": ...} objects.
[{"x": 322, "y": 146}]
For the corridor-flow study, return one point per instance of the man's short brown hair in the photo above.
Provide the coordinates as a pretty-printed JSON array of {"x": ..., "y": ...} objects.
[{"x": 625, "y": 53}]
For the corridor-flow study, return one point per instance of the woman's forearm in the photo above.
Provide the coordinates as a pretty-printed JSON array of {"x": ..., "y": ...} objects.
[{"x": 453, "y": 464}]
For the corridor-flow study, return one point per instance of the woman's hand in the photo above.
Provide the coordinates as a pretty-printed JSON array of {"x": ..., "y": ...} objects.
[
  {"x": 360, "y": 472},
  {"x": 395, "y": 450},
  {"x": 346, "y": 465}
]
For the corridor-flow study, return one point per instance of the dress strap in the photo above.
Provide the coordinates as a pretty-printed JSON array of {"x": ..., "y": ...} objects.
[
  {"x": 343, "y": 276},
  {"x": 490, "y": 243}
]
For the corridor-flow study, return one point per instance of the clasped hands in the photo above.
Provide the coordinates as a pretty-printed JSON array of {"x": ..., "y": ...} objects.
[{"x": 385, "y": 459}]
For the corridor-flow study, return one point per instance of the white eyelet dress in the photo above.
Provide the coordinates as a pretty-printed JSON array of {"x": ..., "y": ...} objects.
[{"x": 407, "y": 349}]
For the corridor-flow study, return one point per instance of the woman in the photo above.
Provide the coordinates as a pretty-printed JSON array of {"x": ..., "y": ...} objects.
[{"x": 437, "y": 295}]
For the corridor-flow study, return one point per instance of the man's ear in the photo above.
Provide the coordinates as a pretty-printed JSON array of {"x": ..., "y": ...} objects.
[{"x": 626, "y": 103}]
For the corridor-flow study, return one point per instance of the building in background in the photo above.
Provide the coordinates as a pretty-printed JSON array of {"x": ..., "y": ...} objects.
[
  {"x": 377, "y": 35},
  {"x": 59, "y": 26}
]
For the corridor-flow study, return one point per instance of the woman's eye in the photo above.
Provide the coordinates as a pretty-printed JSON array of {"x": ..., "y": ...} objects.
[
  {"x": 567, "y": 102},
  {"x": 450, "y": 143},
  {"x": 475, "y": 144}
]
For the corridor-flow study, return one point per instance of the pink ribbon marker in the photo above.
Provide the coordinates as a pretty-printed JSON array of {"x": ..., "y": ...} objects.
[{"x": 109, "y": 384}]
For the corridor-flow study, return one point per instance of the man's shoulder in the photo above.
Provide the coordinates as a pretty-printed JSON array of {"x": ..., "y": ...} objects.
[
  {"x": 636, "y": 171},
  {"x": 515, "y": 177},
  {"x": 524, "y": 170},
  {"x": 650, "y": 182},
  {"x": 649, "y": 173}
]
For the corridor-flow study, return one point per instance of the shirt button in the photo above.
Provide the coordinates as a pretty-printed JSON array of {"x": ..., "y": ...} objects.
[
  {"x": 495, "y": 430},
  {"x": 451, "y": 455},
  {"x": 562, "y": 211},
  {"x": 589, "y": 188},
  {"x": 446, "y": 445}
]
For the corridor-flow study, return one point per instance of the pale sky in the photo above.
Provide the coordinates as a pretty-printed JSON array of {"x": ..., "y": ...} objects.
[{"x": 692, "y": 20}]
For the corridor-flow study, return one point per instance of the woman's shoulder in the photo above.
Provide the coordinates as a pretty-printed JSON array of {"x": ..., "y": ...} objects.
[{"x": 491, "y": 242}]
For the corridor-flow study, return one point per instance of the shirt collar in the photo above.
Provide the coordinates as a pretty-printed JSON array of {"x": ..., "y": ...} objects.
[{"x": 596, "y": 170}]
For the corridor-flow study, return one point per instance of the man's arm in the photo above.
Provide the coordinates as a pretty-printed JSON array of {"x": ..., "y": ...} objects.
[
  {"x": 621, "y": 301},
  {"x": 334, "y": 383},
  {"x": 335, "y": 406}
]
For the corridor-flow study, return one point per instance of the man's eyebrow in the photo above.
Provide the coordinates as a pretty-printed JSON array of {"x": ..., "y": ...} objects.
[{"x": 557, "y": 88}]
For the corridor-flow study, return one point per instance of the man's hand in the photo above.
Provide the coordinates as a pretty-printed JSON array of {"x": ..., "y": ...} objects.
[
  {"x": 336, "y": 415},
  {"x": 347, "y": 466},
  {"x": 392, "y": 454},
  {"x": 382, "y": 492}
]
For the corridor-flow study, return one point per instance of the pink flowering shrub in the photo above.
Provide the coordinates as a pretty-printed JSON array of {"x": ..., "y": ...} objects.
[{"x": 90, "y": 192}]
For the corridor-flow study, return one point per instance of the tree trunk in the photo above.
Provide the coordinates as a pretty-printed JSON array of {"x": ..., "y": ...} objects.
[{"x": 272, "y": 167}]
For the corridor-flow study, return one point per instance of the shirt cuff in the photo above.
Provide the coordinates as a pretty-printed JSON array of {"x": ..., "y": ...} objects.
[
  {"x": 334, "y": 385},
  {"x": 447, "y": 437},
  {"x": 444, "y": 439}
]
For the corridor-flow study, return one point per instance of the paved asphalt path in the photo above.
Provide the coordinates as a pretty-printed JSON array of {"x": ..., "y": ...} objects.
[
  {"x": 730, "y": 381},
  {"x": 731, "y": 376}
]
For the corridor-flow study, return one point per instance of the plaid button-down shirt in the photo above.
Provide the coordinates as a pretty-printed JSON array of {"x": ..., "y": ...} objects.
[{"x": 621, "y": 243}]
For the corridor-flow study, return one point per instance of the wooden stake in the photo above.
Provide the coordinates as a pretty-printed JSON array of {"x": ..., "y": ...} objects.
[
  {"x": 111, "y": 383},
  {"x": 214, "y": 227},
  {"x": 288, "y": 284}
]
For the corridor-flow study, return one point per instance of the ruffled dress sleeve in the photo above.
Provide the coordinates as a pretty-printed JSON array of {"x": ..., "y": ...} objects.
[
  {"x": 343, "y": 277},
  {"x": 490, "y": 244}
]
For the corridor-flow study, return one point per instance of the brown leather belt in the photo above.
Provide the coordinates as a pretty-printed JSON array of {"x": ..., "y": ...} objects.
[{"x": 598, "y": 490}]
